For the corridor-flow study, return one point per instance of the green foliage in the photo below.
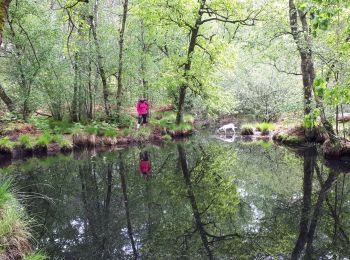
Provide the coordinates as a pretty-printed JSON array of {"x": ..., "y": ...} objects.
[
  {"x": 167, "y": 138},
  {"x": 265, "y": 128},
  {"x": 26, "y": 141},
  {"x": 126, "y": 131},
  {"x": 125, "y": 120},
  {"x": 110, "y": 132},
  {"x": 320, "y": 86},
  {"x": 5, "y": 194},
  {"x": 311, "y": 120},
  {"x": 143, "y": 132},
  {"x": 66, "y": 144},
  {"x": 6, "y": 143},
  {"x": 290, "y": 139},
  {"x": 43, "y": 140},
  {"x": 36, "y": 256},
  {"x": 247, "y": 129}
]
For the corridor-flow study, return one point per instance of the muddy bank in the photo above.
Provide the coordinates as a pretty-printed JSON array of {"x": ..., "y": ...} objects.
[{"x": 12, "y": 147}]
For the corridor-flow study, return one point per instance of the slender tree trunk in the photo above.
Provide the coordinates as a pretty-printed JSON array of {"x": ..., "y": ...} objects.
[
  {"x": 143, "y": 62},
  {"x": 4, "y": 6},
  {"x": 121, "y": 56},
  {"x": 7, "y": 100},
  {"x": 93, "y": 25},
  {"x": 75, "y": 115},
  {"x": 309, "y": 166},
  {"x": 126, "y": 205},
  {"x": 188, "y": 65},
  {"x": 304, "y": 45},
  {"x": 191, "y": 196},
  {"x": 317, "y": 212}
]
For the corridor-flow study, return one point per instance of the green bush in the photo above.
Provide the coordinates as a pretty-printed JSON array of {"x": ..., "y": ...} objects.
[
  {"x": 26, "y": 141},
  {"x": 126, "y": 131},
  {"x": 6, "y": 143},
  {"x": 56, "y": 138},
  {"x": 43, "y": 140},
  {"x": 290, "y": 139},
  {"x": 167, "y": 138},
  {"x": 265, "y": 128},
  {"x": 143, "y": 132},
  {"x": 181, "y": 127},
  {"x": 110, "y": 132},
  {"x": 247, "y": 129},
  {"x": 125, "y": 120},
  {"x": 61, "y": 127},
  {"x": 40, "y": 123},
  {"x": 188, "y": 118},
  {"x": 91, "y": 129},
  {"x": 66, "y": 144}
]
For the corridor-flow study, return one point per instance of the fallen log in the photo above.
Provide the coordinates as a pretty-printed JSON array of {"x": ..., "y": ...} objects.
[{"x": 343, "y": 118}]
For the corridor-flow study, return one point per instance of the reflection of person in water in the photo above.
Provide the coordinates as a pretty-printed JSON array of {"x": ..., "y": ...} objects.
[{"x": 145, "y": 164}]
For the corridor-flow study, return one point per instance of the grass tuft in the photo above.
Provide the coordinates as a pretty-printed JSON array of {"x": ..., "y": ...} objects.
[
  {"x": 247, "y": 129},
  {"x": 265, "y": 128}
]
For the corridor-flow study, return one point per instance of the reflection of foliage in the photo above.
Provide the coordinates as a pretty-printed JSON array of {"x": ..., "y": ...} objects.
[{"x": 248, "y": 198}]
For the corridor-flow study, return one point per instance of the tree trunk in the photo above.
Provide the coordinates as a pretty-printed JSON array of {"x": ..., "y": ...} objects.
[
  {"x": 75, "y": 115},
  {"x": 121, "y": 56},
  {"x": 93, "y": 25},
  {"x": 7, "y": 100},
  {"x": 126, "y": 206},
  {"x": 4, "y": 6},
  {"x": 192, "y": 198},
  {"x": 304, "y": 45},
  {"x": 188, "y": 65},
  {"x": 143, "y": 62},
  {"x": 309, "y": 166}
]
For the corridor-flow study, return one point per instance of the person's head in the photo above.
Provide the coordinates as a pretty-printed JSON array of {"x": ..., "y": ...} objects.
[{"x": 142, "y": 98}]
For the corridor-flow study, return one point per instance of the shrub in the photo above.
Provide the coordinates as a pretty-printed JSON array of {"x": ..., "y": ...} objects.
[
  {"x": 91, "y": 129},
  {"x": 43, "y": 140},
  {"x": 143, "y": 133},
  {"x": 265, "y": 128},
  {"x": 125, "y": 120},
  {"x": 40, "y": 123},
  {"x": 56, "y": 138},
  {"x": 247, "y": 129},
  {"x": 290, "y": 139},
  {"x": 26, "y": 141},
  {"x": 6, "y": 145},
  {"x": 126, "y": 131},
  {"x": 181, "y": 127},
  {"x": 110, "y": 132},
  {"x": 188, "y": 118},
  {"x": 66, "y": 145},
  {"x": 167, "y": 138},
  {"x": 62, "y": 127}
]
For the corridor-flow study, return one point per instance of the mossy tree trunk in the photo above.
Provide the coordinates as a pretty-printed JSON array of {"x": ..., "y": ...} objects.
[
  {"x": 119, "y": 74},
  {"x": 303, "y": 40}
]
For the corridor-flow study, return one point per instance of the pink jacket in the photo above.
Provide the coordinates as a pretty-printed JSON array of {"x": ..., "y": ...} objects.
[
  {"x": 142, "y": 107},
  {"x": 145, "y": 166}
]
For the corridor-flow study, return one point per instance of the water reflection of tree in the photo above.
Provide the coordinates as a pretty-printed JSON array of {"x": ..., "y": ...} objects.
[
  {"x": 204, "y": 167},
  {"x": 191, "y": 213},
  {"x": 310, "y": 220}
]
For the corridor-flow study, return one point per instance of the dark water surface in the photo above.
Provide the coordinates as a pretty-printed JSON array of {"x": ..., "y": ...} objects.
[{"x": 203, "y": 199}]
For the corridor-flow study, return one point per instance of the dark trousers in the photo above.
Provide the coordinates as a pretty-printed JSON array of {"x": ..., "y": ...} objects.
[{"x": 142, "y": 119}]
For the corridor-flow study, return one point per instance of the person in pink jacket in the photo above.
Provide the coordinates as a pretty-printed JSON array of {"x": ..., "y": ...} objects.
[
  {"x": 142, "y": 108},
  {"x": 145, "y": 164}
]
